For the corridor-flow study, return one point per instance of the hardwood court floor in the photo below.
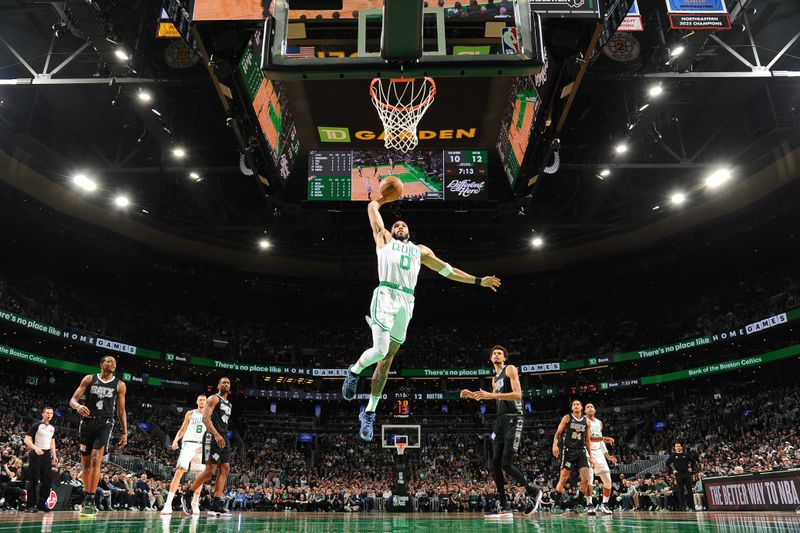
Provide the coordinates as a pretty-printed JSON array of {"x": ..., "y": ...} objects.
[{"x": 138, "y": 522}]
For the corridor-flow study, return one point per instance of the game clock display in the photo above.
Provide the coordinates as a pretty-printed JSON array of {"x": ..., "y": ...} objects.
[{"x": 356, "y": 175}]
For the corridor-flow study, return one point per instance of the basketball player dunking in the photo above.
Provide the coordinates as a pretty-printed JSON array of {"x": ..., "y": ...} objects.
[
  {"x": 507, "y": 432},
  {"x": 216, "y": 450},
  {"x": 574, "y": 452},
  {"x": 393, "y": 304},
  {"x": 105, "y": 393},
  {"x": 192, "y": 432},
  {"x": 600, "y": 455}
]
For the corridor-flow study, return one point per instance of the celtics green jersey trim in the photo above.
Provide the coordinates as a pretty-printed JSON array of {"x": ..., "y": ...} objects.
[{"x": 399, "y": 263}]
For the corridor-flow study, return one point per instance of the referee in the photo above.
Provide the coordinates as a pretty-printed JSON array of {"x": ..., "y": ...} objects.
[
  {"x": 40, "y": 441},
  {"x": 681, "y": 463}
]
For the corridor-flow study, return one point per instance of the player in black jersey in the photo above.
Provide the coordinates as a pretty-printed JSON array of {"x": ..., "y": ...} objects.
[
  {"x": 104, "y": 395},
  {"x": 216, "y": 450},
  {"x": 507, "y": 431},
  {"x": 575, "y": 451}
]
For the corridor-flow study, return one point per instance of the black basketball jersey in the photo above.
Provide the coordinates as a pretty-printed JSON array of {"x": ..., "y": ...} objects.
[
  {"x": 503, "y": 384},
  {"x": 575, "y": 434},
  {"x": 220, "y": 416},
  {"x": 101, "y": 399}
]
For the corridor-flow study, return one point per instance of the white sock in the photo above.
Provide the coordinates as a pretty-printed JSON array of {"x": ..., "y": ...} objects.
[
  {"x": 373, "y": 403},
  {"x": 196, "y": 498},
  {"x": 589, "y": 501},
  {"x": 170, "y": 496}
]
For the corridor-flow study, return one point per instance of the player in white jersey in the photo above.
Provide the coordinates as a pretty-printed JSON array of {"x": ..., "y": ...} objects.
[
  {"x": 392, "y": 305},
  {"x": 600, "y": 454},
  {"x": 192, "y": 431}
]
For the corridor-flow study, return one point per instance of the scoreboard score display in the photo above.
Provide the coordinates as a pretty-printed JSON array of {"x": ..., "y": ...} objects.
[{"x": 356, "y": 175}]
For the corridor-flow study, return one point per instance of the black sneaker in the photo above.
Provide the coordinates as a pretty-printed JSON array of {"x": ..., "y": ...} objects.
[
  {"x": 186, "y": 503},
  {"x": 533, "y": 502}
]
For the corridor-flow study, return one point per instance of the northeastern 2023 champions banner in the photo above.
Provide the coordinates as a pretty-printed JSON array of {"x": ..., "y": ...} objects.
[
  {"x": 698, "y": 15},
  {"x": 770, "y": 491}
]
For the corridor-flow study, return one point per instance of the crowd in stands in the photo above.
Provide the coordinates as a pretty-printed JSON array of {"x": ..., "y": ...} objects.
[
  {"x": 636, "y": 325},
  {"x": 739, "y": 430}
]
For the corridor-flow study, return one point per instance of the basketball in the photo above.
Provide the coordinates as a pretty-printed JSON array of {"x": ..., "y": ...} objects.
[{"x": 391, "y": 188}]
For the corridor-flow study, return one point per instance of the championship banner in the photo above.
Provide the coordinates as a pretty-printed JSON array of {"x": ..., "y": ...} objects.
[
  {"x": 698, "y": 15},
  {"x": 768, "y": 491},
  {"x": 633, "y": 20}
]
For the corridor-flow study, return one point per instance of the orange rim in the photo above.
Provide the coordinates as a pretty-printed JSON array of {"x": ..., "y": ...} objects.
[{"x": 427, "y": 101}]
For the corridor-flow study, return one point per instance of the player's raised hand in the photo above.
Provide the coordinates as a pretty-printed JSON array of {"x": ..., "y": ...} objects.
[
  {"x": 491, "y": 282},
  {"x": 467, "y": 394}
]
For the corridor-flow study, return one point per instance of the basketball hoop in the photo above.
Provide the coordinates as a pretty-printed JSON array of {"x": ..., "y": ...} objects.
[
  {"x": 401, "y": 103},
  {"x": 401, "y": 447}
]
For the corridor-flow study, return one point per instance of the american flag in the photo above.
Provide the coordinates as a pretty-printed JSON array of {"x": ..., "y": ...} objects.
[{"x": 300, "y": 51}]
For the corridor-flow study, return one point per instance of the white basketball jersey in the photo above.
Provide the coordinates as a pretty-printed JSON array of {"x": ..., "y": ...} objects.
[
  {"x": 399, "y": 263},
  {"x": 196, "y": 429},
  {"x": 596, "y": 430}
]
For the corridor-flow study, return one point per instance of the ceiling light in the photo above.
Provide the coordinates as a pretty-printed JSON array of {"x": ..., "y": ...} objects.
[
  {"x": 264, "y": 244},
  {"x": 155, "y": 112},
  {"x": 605, "y": 173},
  {"x": 195, "y": 176},
  {"x": 718, "y": 177},
  {"x": 122, "y": 201},
  {"x": 631, "y": 126},
  {"x": 645, "y": 106},
  {"x": 677, "y": 198},
  {"x": 678, "y": 50},
  {"x": 656, "y": 207},
  {"x": 655, "y": 90},
  {"x": 121, "y": 54},
  {"x": 179, "y": 152},
  {"x": 84, "y": 182},
  {"x": 537, "y": 242},
  {"x": 145, "y": 96},
  {"x": 621, "y": 148}
]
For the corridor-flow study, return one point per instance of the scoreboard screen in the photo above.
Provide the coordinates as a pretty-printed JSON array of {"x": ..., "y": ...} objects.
[
  {"x": 356, "y": 175},
  {"x": 402, "y": 408}
]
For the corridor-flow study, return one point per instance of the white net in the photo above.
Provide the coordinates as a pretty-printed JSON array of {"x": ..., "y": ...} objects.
[{"x": 401, "y": 103}]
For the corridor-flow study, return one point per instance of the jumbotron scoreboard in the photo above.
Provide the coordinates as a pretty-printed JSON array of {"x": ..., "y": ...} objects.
[
  {"x": 465, "y": 164},
  {"x": 356, "y": 175}
]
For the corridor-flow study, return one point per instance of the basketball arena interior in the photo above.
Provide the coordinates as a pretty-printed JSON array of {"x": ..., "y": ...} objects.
[{"x": 394, "y": 265}]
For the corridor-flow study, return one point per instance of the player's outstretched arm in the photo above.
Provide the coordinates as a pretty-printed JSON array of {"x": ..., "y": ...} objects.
[
  {"x": 379, "y": 231},
  {"x": 430, "y": 260},
  {"x": 562, "y": 426},
  {"x": 182, "y": 430},
  {"x": 122, "y": 389}
]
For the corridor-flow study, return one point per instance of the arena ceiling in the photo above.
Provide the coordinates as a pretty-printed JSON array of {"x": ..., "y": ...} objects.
[{"x": 67, "y": 108}]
